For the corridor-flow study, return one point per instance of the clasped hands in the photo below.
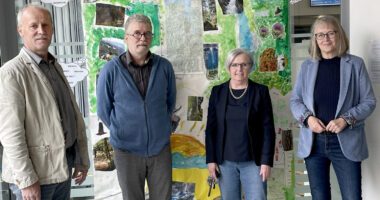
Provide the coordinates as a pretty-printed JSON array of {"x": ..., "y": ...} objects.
[{"x": 334, "y": 126}]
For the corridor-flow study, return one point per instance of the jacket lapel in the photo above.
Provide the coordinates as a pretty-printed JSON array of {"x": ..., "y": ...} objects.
[
  {"x": 221, "y": 107},
  {"x": 250, "y": 93},
  {"x": 312, "y": 77},
  {"x": 36, "y": 69},
  {"x": 345, "y": 77}
]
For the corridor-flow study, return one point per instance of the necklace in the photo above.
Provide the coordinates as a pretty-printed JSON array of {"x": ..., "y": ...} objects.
[{"x": 239, "y": 97}]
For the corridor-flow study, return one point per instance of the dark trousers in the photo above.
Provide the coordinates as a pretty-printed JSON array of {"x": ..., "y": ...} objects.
[
  {"x": 132, "y": 170},
  {"x": 326, "y": 151},
  {"x": 58, "y": 191}
]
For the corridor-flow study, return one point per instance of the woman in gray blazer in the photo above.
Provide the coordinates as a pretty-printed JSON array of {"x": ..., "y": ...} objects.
[{"x": 331, "y": 99}]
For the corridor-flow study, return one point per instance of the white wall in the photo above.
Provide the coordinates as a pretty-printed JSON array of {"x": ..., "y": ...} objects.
[{"x": 364, "y": 27}]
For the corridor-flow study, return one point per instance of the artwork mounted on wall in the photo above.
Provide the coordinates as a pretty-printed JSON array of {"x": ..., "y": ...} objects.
[
  {"x": 109, "y": 15},
  {"x": 210, "y": 53},
  {"x": 209, "y": 15}
]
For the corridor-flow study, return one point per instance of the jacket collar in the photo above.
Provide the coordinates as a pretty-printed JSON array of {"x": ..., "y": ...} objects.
[{"x": 345, "y": 77}]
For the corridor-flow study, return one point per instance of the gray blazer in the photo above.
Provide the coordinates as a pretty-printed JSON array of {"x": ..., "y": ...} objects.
[{"x": 356, "y": 102}]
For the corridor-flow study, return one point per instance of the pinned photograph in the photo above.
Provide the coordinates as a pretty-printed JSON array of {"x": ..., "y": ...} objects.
[
  {"x": 109, "y": 15},
  {"x": 194, "y": 110},
  {"x": 231, "y": 6},
  {"x": 210, "y": 52},
  {"x": 183, "y": 191},
  {"x": 103, "y": 155},
  {"x": 110, "y": 47},
  {"x": 209, "y": 15}
]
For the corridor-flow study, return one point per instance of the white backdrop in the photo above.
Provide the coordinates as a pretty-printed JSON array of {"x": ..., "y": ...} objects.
[{"x": 364, "y": 20}]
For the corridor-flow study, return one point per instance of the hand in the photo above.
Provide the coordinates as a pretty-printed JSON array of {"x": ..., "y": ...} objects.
[
  {"x": 212, "y": 168},
  {"x": 32, "y": 192},
  {"x": 336, "y": 125},
  {"x": 79, "y": 175},
  {"x": 315, "y": 124},
  {"x": 265, "y": 172}
]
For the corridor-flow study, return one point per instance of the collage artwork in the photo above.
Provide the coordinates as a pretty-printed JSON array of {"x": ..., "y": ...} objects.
[{"x": 195, "y": 36}]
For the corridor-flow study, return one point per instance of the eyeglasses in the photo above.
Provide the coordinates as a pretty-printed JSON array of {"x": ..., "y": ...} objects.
[
  {"x": 138, "y": 35},
  {"x": 321, "y": 36},
  {"x": 244, "y": 65}
]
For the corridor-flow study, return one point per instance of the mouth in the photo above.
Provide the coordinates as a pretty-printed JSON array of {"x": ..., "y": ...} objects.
[
  {"x": 142, "y": 45},
  {"x": 41, "y": 39}
]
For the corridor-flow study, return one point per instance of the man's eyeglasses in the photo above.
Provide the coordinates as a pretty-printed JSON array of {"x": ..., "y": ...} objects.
[
  {"x": 244, "y": 65},
  {"x": 321, "y": 36},
  {"x": 138, "y": 35}
]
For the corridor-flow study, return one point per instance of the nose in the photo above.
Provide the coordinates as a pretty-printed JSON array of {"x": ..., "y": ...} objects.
[
  {"x": 326, "y": 37},
  {"x": 41, "y": 29},
  {"x": 143, "y": 36}
]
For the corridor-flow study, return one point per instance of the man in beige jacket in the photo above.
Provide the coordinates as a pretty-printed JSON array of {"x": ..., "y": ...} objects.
[{"x": 41, "y": 128}]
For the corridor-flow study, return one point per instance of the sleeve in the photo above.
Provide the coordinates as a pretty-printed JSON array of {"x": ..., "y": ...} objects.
[
  {"x": 104, "y": 94},
  {"x": 12, "y": 134},
  {"x": 172, "y": 90},
  {"x": 211, "y": 128},
  {"x": 269, "y": 135},
  {"x": 81, "y": 147},
  {"x": 367, "y": 100},
  {"x": 297, "y": 106}
]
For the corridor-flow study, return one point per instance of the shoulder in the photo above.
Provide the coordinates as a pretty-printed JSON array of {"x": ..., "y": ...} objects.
[
  {"x": 162, "y": 61},
  {"x": 309, "y": 62},
  {"x": 258, "y": 86},
  {"x": 356, "y": 60},
  {"x": 14, "y": 66},
  {"x": 216, "y": 88},
  {"x": 111, "y": 65}
]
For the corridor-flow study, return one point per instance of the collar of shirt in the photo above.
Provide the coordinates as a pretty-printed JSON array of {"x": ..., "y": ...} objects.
[
  {"x": 36, "y": 58},
  {"x": 130, "y": 61}
]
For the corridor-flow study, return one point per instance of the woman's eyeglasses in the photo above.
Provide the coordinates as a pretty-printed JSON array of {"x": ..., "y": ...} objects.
[
  {"x": 321, "y": 36},
  {"x": 243, "y": 65}
]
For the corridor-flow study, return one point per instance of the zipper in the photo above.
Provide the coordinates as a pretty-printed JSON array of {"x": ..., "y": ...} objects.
[{"x": 147, "y": 127}]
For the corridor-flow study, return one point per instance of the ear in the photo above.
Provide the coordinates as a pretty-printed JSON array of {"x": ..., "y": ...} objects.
[{"x": 19, "y": 30}]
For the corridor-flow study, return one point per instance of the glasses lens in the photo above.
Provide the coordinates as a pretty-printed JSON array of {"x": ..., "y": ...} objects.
[
  {"x": 320, "y": 36},
  {"x": 148, "y": 35},
  {"x": 331, "y": 34}
]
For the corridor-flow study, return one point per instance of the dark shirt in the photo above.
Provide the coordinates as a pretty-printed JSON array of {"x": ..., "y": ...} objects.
[
  {"x": 61, "y": 94},
  {"x": 236, "y": 147},
  {"x": 140, "y": 74},
  {"x": 327, "y": 87}
]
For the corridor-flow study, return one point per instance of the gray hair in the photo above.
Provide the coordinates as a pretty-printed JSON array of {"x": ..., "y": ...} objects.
[
  {"x": 236, "y": 52},
  {"x": 137, "y": 18},
  {"x": 26, "y": 7},
  {"x": 342, "y": 41}
]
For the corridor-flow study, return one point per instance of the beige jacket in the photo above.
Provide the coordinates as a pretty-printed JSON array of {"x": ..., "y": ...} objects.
[{"x": 30, "y": 126}]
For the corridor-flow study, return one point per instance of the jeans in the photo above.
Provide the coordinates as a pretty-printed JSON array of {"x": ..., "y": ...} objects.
[
  {"x": 235, "y": 175},
  {"x": 326, "y": 150},
  {"x": 58, "y": 191}
]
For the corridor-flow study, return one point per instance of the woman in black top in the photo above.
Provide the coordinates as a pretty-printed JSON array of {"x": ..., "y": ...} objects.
[{"x": 240, "y": 134}]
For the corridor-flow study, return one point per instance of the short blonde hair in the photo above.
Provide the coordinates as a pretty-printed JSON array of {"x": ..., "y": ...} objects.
[
  {"x": 342, "y": 41},
  {"x": 32, "y": 5}
]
